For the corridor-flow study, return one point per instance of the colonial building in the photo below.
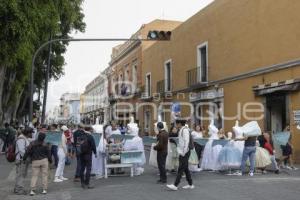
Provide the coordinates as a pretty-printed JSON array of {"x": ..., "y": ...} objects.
[
  {"x": 94, "y": 101},
  {"x": 69, "y": 108},
  {"x": 125, "y": 71},
  {"x": 239, "y": 58}
]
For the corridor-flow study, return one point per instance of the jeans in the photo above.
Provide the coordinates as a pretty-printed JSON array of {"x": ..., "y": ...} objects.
[
  {"x": 248, "y": 152},
  {"x": 86, "y": 165},
  {"x": 78, "y": 167},
  {"x": 161, "y": 162},
  {"x": 274, "y": 162},
  {"x": 184, "y": 168},
  {"x": 54, "y": 149}
]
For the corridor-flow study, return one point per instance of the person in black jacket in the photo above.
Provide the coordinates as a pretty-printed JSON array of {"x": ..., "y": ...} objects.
[
  {"x": 77, "y": 134},
  {"x": 40, "y": 155},
  {"x": 87, "y": 147},
  {"x": 162, "y": 152}
]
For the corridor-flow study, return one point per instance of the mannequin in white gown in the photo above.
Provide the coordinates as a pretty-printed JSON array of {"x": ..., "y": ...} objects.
[
  {"x": 135, "y": 144},
  {"x": 238, "y": 135},
  {"x": 210, "y": 153},
  {"x": 98, "y": 163}
]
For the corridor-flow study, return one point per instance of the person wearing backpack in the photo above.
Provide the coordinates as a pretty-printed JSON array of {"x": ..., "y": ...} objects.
[
  {"x": 184, "y": 147},
  {"x": 87, "y": 148},
  {"x": 76, "y": 136},
  {"x": 22, "y": 143}
]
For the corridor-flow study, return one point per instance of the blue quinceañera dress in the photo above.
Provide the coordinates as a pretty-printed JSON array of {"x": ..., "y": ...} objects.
[{"x": 230, "y": 156}]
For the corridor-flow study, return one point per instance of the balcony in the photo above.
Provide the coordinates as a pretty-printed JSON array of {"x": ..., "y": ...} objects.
[
  {"x": 195, "y": 78},
  {"x": 160, "y": 86}
]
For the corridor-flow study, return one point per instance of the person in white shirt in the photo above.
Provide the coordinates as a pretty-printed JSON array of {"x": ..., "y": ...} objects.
[
  {"x": 184, "y": 151},
  {"x": 62, "y": 152},
  {"x": 22, "y": 143},
  {"x": 197, "y": 134}
]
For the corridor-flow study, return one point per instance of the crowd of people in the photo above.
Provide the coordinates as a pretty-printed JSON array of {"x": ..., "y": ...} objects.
[{"x": 175, "y": 151}]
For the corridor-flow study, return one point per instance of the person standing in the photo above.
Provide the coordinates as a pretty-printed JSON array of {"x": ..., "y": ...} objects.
[
  {"x": 162, "y": 152},
  {"x": 22, "y": 166},
  {"x": 40, "y": 155},
  {"x": 197, "y": 134},
  {"x": 87, "y": 148},
  {"x": 54, "y": 147},
  {"x": 268, "y": 145},
  {"x": 62, "y": 153},
  {"x": 78, "y": 134},
  {"x": 184, "y": 151},
  {"x": 249, "y": 152}
]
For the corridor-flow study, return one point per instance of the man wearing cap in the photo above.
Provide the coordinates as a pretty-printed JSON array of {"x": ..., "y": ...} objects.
[{"x": 162, "y": 152}]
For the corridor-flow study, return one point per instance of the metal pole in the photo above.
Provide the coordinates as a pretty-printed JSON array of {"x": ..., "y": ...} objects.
[
  {"x": 31, "y": 86},
  {"x": 46, "y": 82}
]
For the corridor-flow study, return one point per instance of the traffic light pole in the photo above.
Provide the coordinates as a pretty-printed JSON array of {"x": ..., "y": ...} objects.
[{"x": 31, "y": 85}]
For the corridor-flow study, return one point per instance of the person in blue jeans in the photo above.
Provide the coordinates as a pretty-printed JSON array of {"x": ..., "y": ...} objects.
[{"x": 249, "y": 152}]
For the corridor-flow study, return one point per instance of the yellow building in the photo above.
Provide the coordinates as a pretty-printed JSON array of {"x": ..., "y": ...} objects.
[
  {"x": 239, "y": 57},
  {"x": 125, "y": 71}
]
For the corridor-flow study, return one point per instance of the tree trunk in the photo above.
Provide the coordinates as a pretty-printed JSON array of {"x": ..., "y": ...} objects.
[{"x": 2, "y": 80}]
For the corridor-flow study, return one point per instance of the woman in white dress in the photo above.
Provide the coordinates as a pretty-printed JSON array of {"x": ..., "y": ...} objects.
[
  {"x": 238, "y": 132},
  {"x": 211, "y": 153}
]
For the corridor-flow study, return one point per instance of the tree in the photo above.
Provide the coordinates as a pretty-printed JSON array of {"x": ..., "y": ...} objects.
[{"x": 25, "y": 25}]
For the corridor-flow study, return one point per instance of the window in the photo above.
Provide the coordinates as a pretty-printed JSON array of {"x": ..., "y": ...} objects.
[
  {"x": 147, "y": 121},
  {"x": 168, "y": 76},
  {"x": 134, "y": 77},
  {"x": 148, "y": 85},
  {"x": 202, "y": 61}
]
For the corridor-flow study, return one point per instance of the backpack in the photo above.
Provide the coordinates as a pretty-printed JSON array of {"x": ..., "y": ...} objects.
[
  {"x": 83, "y": 145},
  {"x": 10, "y": 153},
  {"x": 191, "y": 142}
]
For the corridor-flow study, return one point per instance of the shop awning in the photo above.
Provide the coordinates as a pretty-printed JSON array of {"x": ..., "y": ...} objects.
[{"x": 282, "y": 86}]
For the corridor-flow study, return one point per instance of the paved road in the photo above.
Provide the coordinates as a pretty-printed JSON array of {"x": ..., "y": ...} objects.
[{"x": 209, "y": 186}]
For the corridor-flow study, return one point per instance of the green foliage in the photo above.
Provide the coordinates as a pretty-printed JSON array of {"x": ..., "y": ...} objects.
[{"x": 25, "y": 25}]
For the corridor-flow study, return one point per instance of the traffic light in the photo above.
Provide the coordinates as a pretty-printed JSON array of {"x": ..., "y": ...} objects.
[{"x": 159, "y": 35}]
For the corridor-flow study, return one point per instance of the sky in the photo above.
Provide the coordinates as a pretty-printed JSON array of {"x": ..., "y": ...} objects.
[{"x": 111, "y": 19}]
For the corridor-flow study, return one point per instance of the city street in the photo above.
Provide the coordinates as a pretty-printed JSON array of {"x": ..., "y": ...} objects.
[{"x": 209, "y": 186}]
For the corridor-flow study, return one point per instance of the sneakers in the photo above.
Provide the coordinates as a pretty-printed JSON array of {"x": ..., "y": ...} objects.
[
  {"x": 44, "y": 192},
  {"x": 172, "y": 187},
  {"x": 251, "y": 174},
  {"x": 63, "y": 178},
  {"x": 238, "y": 174},
  {"x": 99, "y": 177},
  {"x": 57, "y": 180},
  {"x": 289, "y": 168},
  {"x": 294, "y": 168},
  {"x": 188, "y": 187},
  {"x": 32, "y": 193}
]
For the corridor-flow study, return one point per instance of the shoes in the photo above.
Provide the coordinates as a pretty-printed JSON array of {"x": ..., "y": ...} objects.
[
  {"x": 289, "y": 168},
  {"x": 172, "y": 187},
  {"x": 83, "y": 186},
  {"x": 63, "y": 178},
  {"x": 188, "y": 187},
  {"x": 90, "y": 187},
  {"x": 44, "y": 192},
  {"x": 264, "y": 172},
  {"x": 32, "y": 193},
  {"x": 294, "y": 168},
  {"x": 251, "y": 174},
  {"x": 57, "y": 180},
  {"x": 76, "y": 180},
  {"x": 277, "y": 171},
  {"x": 20, "y": 192}
]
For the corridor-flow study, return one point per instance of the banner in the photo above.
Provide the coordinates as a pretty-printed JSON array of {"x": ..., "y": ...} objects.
[
  {"x": 53, "y": 138},
  {"x": 281, "y": 138}
]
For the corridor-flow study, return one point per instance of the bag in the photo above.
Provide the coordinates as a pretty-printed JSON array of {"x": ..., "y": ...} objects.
[
  {"x": 83, "y": 145},
  {"x": 191, "y": 142},
  {"x": 10, "y": 153}
]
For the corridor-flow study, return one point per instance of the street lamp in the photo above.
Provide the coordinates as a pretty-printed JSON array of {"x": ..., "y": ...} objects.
[{"x": 160, "y": 36}]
